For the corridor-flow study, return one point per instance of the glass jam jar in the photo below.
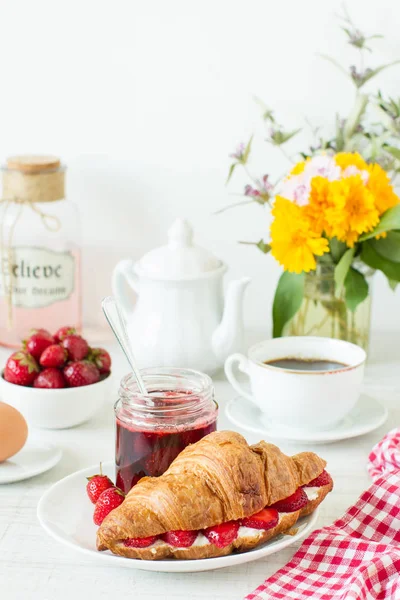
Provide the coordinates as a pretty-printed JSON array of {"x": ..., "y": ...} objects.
[{"x": 151, "y": 430}]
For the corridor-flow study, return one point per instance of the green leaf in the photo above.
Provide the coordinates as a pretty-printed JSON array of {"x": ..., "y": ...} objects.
[
  {"x": 355, "y": 116},
  {"x": 395, "y": 152},
  {"x": 342, "y": 268},
  {"x": 334, "y": 62},
  {"x": 280, "y": 137},
  {"x": 374, "y": 72},
  {"x": 374, "y": 260},
  {"x": 388, "y": 247},
  {"x": 287, "y": 301},
  {"x": 389, "y": 220},
  {"x": 263, "y": 246},
  {"x": 337, "y": 249},
  {"x": 356, "y": 289},
  {"x": 393, "y": 284},
  {"x": 339, "y": 134},
  {"x": 246, "y": 152},
  {"x": 231, "y": 169}
]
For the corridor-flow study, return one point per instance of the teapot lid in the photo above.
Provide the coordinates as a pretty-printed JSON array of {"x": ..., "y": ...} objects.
[{"x": 179, "y": 259}]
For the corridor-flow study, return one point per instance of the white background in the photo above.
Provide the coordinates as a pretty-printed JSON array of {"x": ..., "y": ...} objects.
[{"x": 144, "y": 100}]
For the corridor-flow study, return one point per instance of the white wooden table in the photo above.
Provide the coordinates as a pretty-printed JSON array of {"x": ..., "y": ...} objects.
[{"x": 35, "y": 567}]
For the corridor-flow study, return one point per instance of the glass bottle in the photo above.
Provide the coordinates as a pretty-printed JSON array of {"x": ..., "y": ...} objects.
[
  {"x": 152, "y": 430},
  {"x": 40, "y": 280}
]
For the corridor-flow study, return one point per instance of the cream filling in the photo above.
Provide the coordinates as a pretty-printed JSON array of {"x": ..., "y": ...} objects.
[{"x": 311, "y": 492}]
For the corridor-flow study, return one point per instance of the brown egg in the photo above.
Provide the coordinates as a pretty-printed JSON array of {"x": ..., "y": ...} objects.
[{"x": 13, "y": 431}]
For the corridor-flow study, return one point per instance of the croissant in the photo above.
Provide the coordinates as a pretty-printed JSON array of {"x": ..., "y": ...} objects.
[{"x": 209, "y": 495}]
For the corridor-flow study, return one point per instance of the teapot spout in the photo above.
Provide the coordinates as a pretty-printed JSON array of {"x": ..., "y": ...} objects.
[{"x": 229, "y": 335}]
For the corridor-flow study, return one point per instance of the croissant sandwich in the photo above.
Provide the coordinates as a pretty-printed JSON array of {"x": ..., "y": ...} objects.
[{"x": 218, "y": 496}]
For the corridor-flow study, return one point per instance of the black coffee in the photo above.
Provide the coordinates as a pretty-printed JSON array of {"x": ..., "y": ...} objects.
[{"x": 305, "y": 364}]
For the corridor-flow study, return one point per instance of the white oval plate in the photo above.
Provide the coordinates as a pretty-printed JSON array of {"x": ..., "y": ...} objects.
[
  {"x": 33, "y": 459},
  {"x": 366, "y": 416},
  {"x": 65, "y": 512}
]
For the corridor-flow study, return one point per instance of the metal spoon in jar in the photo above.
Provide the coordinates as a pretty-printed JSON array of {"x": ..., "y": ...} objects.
[{"x": 116, "y": 322}]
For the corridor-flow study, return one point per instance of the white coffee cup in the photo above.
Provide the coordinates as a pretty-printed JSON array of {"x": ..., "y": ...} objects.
[{"x": 299, "y": 399}]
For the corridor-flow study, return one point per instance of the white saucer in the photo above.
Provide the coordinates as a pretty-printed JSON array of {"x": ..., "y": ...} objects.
[
  {"x": 75, "y": 528},
  {"x": 366, "y": 416},
  {"x": 33, "y": 459}
]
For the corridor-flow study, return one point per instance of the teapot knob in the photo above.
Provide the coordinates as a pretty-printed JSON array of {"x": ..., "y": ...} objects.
[{"x": 180, "y": 233}]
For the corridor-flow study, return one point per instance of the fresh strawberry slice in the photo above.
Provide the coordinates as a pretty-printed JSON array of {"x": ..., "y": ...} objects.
[
  {"x": 323, "y": 479},
  {"x": 267, "y": 518},
  {"x": 180, "y": 539},
  {"x": 294, "y": 502},
  {"x": 140, "y": 542},
  {"x": 222, "y": 535}
]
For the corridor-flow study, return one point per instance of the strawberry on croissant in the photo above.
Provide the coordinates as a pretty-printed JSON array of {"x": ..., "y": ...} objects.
[{"x": 218, "y": 496}]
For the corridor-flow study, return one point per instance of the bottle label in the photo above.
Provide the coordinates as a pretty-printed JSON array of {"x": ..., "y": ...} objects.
[{"x": 36, "y": 277}]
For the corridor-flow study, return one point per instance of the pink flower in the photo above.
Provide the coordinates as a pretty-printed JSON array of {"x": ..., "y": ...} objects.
[{"x": 238, "y": 154}]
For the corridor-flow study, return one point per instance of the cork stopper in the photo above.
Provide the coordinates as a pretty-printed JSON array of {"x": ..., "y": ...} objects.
[
  {"x": 33, "y": 178},
  {"x": 32, "y": 163}
]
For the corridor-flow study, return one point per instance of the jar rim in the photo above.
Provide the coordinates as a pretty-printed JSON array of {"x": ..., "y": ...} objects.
[
  {"x": 201, "y": 383},
  {"x": 192, "y": 402}
]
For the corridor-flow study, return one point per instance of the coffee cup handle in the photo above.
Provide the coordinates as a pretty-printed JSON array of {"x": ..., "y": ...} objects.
[{"x": 243, "y": 365}]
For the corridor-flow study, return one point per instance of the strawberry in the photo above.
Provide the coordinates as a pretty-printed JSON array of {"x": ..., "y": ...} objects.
[
  {"x": 37, "y": 343},
  {"x": 21, "y": 368},
  {"x": 81, "y": 373},
  {"x": 267, "y": 518},
  {"x": 54, "y": 356},
  {"x": 77, "y": 347},
  {"x": 96, "y": 485},
  {"x": 50, "y": 378},
  {"x": 222, "y": 535},
  {"x": 140, "y": 542},
  {"x": 63, "y": 332},
  {"x": 107, "y": 501},
  {"x": 323, "y": 479},
  {"x": 101, "y": 359},
  {"x": 294, "y": 502},
  {"x": 43, "y": 332},
  {"x": 180, "y": 539}
]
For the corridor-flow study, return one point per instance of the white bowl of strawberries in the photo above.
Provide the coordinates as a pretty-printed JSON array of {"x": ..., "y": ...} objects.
[{"x": 56, "y": 381}]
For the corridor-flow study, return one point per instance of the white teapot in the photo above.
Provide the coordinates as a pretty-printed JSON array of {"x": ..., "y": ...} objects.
[{"x": 179, "y": 319}]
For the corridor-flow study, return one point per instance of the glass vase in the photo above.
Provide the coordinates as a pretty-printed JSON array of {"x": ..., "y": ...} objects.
[{"x": 325, "y": 314}]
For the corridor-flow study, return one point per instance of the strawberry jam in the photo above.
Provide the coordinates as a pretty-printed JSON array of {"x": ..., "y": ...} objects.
[{"x": 152, "y": 430}]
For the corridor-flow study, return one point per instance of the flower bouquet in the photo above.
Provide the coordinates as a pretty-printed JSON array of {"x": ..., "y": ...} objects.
[{"x": 335, "y": 215}]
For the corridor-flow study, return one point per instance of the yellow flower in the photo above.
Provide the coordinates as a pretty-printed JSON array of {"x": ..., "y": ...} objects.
[
  {"x": 299, "y": 168},
  {"x": 353, "y": 159},
  {"x": 352, "y": 211},
  {"x": 294, "y": 244},
  {"x": 381, "y": 188}
]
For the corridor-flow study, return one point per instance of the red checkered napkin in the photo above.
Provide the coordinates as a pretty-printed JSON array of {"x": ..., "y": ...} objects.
[{"x": 358, "y": 557}]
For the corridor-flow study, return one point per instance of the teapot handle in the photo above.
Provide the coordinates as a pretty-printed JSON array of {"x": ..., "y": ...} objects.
[{"x": 123, "y": 272}]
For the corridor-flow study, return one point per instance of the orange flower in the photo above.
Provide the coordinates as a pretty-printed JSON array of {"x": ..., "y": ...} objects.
[{"x": 381, "y": 188}]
